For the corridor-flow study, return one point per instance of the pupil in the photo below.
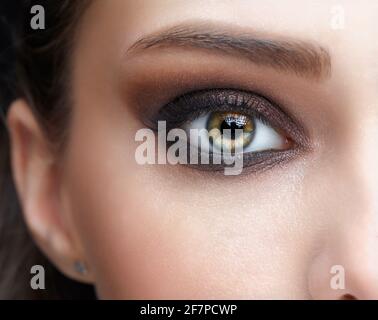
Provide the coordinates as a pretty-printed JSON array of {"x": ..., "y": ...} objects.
[{"x": 231, "y": 124}]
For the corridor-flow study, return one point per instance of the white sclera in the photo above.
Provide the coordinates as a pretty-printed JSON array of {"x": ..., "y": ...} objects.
[{"x": 265, "y": 137}]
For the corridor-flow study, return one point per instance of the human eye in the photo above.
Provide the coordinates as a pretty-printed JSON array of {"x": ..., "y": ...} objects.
[
  {"x": 255, "y": 134},
  {"x": 256, "y": 126}
]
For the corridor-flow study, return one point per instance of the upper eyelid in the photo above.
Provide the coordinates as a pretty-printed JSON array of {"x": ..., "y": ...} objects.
[
  {"x": 229, "y": 98},
  {"x": 248, "y": 102}
]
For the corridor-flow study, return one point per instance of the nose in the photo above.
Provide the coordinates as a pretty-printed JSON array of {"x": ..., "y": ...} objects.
[{"x": 346, "y": 266}]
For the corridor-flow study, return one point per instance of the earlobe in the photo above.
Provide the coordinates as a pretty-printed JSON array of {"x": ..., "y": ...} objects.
[{"x": 36, "y": 171}]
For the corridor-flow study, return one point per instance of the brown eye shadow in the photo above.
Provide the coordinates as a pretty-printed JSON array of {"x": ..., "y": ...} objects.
[{"x": 190, "y": 106}]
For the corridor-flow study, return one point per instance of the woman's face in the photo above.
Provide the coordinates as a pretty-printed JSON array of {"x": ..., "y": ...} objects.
[{"x": 282, "y": 227}]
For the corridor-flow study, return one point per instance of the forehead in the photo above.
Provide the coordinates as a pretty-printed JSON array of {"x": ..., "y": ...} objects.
[
  {"x": 311, "y": 16},
  {"x": 122, "y": 22},
  {"x": 346, "y": 28}
]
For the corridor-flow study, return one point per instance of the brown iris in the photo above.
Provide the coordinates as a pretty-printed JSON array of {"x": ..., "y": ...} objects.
[{"x": 230, "y": 131}]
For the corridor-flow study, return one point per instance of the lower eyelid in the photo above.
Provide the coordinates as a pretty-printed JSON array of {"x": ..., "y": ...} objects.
[
  {"x": 254, "y": 162},
  {"x": 188, "y": 106}
]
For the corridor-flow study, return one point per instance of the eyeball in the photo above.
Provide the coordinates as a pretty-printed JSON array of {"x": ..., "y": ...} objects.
[{"x": 244, "y": 132}]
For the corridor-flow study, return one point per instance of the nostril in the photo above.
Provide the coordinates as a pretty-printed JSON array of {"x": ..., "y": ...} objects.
[{"x": 348, "y": 297}]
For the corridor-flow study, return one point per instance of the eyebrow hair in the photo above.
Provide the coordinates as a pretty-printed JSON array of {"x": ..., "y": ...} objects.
[{"x": 299, "y": 57}]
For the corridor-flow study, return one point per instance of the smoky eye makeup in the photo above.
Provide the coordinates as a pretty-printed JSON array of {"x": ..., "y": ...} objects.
[{"x": 270, "y": 135}]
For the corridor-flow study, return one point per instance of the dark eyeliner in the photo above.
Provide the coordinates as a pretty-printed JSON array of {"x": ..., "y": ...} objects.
[
  {"x": 189, "y": 106},
  {"x": 192, "y": 105}
]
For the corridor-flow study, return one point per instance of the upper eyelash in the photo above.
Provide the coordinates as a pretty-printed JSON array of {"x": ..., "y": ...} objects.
[
  {"x": 206, "y": 102},
  {"x": 189, "y": 106}
]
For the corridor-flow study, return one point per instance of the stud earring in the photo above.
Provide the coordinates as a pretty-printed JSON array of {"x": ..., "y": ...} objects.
[{"x": 80, "y": 267}]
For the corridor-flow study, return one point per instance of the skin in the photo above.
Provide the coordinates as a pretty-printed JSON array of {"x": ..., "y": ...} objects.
[{"x": 172, "y": 232}]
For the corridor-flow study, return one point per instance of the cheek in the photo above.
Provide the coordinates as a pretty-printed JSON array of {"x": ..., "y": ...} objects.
[
  {"x": 163, "y": 231},
  {"x": 152, "y": 232}
]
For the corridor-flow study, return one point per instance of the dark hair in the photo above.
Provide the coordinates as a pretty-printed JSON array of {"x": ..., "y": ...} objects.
[{"x": 38, "y": 70}]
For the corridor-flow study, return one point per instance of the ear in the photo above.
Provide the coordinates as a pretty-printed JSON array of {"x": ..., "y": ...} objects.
[{"x": 36, "y": 171}]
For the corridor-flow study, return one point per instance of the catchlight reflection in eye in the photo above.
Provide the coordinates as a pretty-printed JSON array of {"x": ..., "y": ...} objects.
[{"x": 256, "y": 135}]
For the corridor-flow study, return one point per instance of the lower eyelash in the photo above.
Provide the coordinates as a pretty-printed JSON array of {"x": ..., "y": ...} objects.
[
  {"x": 192, "y": 105},
  {"x": 254, "y": 162}
]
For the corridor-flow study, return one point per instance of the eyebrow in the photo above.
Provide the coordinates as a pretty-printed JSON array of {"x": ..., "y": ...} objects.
[{"x": 302, "y": 58}]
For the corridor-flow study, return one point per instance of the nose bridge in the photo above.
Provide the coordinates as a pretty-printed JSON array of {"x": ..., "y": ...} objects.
[
  {"x": 353, "y": 167},
  {"x": 364, "y": 164},
  {"x": 352, "y": 242},
  {"x": 357, "y": 63},
  {"x": 358, "y": 143}
]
